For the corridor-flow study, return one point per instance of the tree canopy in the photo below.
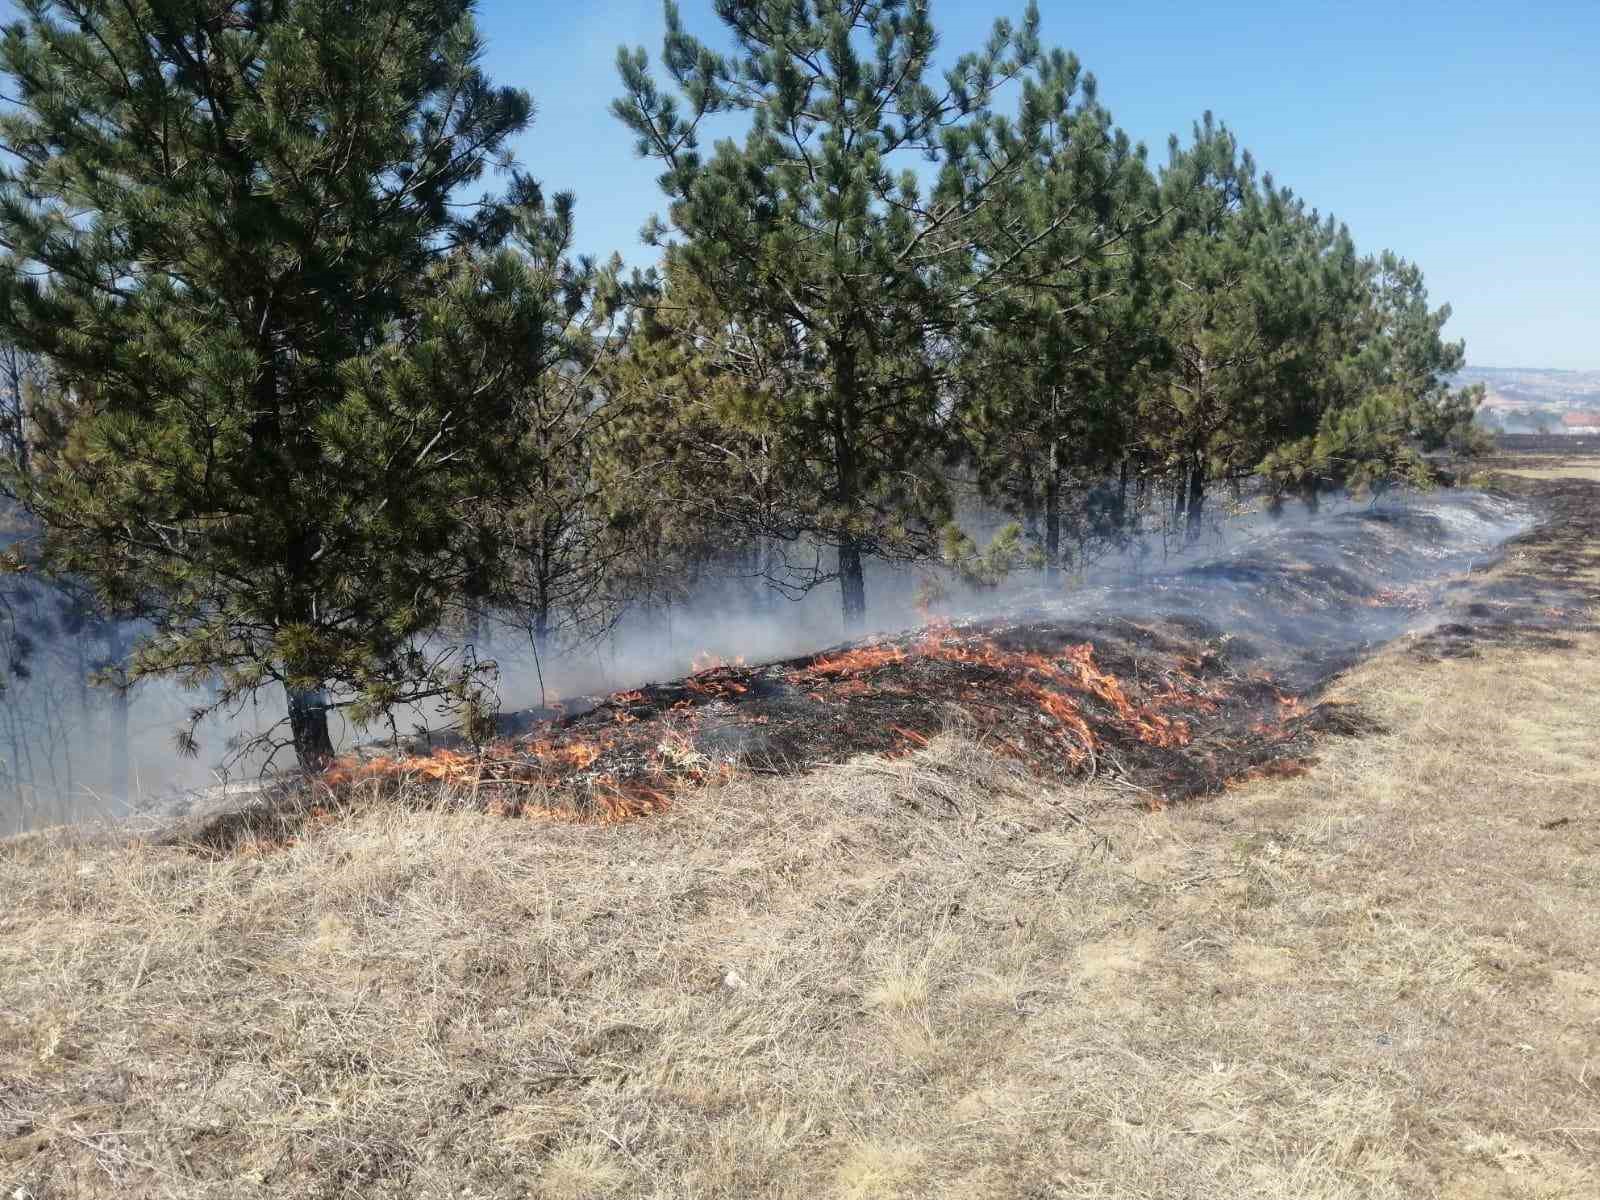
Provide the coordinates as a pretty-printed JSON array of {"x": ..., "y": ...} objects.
[
  {"x": 293, "y": 383},
  {"x": 220, "y": 222}
]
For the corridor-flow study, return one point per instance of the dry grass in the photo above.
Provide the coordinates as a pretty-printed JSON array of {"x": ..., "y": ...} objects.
[
  {"x": 1574, "y": 468},
  {"x": 911, "y": 978}
]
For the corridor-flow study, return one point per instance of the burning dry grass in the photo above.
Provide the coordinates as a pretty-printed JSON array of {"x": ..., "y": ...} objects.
[
  {"x": 1030, "y": 690},
  {"x": 917, "y": 977}
]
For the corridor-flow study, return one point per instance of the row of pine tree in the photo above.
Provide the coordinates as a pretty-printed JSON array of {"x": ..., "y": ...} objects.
[{"x": 299, "y": 397}]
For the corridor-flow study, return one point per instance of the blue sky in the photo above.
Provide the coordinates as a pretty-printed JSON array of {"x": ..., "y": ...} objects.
[{"x": 1463, "y": 135}]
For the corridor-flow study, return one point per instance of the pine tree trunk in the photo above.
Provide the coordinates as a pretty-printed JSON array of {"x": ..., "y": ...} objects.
[
  {"x": 474, "y": 596},
  {"x": 1122, "y": 495},
  {"x": 769, "y": 569},
  {"x": 1052, "y": 522},
  {"x": 308, "y": 709},
  {"x": 17, "y": 421},
  {"x": 14, "y": 766},
  {"x": 117, "y": 734},
  {"x": 1181, "y": 503},
  {"x": 83, "y": 669},
  {"x": 1197, "y": 500},
  {"x": 852, "y": 580},
  {"x": 1308, "y": 494},
  {"x": 543, "y": 600},
  {"x": 852, "y": 585},
  {"x": 308, "y": 725},
  {"x": 120, "y": 781},
  {"x": 1052, "y": 498}
]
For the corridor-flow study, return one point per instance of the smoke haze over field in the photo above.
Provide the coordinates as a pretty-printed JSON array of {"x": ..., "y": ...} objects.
[
  {"x": 1294, "y": 573},
  {"x": 1320, "y": 583}
]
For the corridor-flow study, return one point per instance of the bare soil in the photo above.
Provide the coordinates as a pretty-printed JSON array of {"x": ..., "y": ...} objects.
[{"x": 936, "y": 974}]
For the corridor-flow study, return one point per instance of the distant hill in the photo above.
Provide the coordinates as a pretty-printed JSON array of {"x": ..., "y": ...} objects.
[{"x": 1517, "y": 388}]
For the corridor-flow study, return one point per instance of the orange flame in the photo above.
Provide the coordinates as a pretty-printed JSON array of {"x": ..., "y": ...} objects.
[
  {"x": 557, "y": 775},
  {"x": 853, "y": 662},
  {"x": 714, "y": 687},
  {"x": 1047, "y": 679}
]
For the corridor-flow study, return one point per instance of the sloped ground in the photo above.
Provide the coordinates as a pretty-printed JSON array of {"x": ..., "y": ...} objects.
[{"x": 926, "y": 976}]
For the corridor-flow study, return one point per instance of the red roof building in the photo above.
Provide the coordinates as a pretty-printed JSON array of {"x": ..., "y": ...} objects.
[{"x": 1586, "y": 421}]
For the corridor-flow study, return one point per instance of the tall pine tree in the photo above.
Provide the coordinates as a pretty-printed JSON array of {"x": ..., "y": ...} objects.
[
  {"x": 1047, "y": 375},
  {"x": 822, "y": 246},
  {"x": 215, "y": 213},
  {"x": 1240, "y": 282}
]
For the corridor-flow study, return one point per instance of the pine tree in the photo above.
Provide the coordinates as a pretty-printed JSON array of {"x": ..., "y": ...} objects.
[
  {"x": 553, "y": 323},
  {"x": 23, "y": 380},
  {"x": 1047, "y": 378},
  {"x": 1378, "y": 370},
  {"x": 1410, "y": 356},
  {"x": 1241, "y": 282},
  {"x": 217, "y": 212},
  {"x": 1365, "y": 447},
  {"x": 807, "y": 235},
  {"x": 695, "y": 473},
  {"x": 20, "y": 381}
]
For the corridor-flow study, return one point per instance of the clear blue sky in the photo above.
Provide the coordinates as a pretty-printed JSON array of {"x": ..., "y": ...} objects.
[{"x": 1463, "y": 135}]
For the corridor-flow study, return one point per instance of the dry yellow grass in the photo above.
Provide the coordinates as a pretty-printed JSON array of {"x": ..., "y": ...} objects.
[
  {"x": 917, "y": 978},
  {"x": 1576, "y": 468}
]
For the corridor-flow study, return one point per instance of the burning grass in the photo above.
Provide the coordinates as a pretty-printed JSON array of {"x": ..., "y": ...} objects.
[
  {"x": 1130, "y": 712},
  {"x": 1195, "y": 682}
]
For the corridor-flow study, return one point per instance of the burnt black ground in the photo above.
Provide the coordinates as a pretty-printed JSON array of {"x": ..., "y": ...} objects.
[
  {"x": 1233, "y": 651},
  {"x": 1540, "y": 597}
]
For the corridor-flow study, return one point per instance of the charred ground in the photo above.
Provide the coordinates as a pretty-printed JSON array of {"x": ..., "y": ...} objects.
[{"x": 1549, "y": 585}]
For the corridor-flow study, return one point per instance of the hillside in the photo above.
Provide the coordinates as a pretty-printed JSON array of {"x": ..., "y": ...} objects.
[
  {"x": 931, "y": 975},
  {"x": 1532, "y": 387}
]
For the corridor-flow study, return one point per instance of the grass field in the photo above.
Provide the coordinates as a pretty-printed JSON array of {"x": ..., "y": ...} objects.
[
  {"x": 1571, "y": 467},
  {"x": 919, "y": 977}
]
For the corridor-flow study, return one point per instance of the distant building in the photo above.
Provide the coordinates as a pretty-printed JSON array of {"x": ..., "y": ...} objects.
[{"x": 1580, "y": 422}]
